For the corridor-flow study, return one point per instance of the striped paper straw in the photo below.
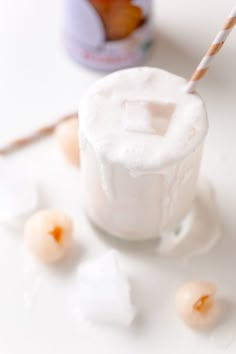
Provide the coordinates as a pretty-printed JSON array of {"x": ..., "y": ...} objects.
[
  {"x": 212, "y": 51},
  {"x": 34, "y": 136}
]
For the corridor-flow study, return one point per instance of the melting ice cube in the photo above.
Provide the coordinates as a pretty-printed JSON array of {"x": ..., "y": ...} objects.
[{"x": 150, "y": 117}]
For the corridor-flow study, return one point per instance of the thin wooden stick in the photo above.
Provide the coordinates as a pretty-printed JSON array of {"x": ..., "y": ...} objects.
[{"x": 36, "y": 135}]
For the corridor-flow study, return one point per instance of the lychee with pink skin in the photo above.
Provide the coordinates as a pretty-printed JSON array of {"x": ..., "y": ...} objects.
[
  {"x": 196, "y": 304},
  {"x": 48, "y": 235},
  {"x": 66, "y": 135}
]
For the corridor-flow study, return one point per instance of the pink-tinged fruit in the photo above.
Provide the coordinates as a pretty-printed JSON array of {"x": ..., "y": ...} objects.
[
  {"x": 196, "y": 305},
  {"x": 66, "y": 135},
  {"x": 48, "y": 235}
]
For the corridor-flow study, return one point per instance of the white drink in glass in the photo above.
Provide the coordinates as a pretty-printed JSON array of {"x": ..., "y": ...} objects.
[{"x": 141, "y": 140}]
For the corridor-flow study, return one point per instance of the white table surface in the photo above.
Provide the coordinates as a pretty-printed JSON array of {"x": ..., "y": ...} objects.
[{"x": 38, "y": 83}]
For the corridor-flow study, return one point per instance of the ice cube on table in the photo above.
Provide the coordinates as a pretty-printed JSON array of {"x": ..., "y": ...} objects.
[{"x": 103, "y": 291}]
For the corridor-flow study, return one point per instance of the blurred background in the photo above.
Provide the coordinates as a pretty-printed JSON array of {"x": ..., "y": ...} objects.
[{"x": 39, "y": 81}]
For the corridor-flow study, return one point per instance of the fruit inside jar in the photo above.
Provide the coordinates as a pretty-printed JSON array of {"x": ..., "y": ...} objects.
[{"x": 108, "y": 34}]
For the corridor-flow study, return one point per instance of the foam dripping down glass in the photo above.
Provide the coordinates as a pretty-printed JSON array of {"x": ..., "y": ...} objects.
[{"x": 141, "y": 141}]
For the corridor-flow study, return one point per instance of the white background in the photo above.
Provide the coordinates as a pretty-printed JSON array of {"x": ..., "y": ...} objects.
[{"x": 38, "y": 83}]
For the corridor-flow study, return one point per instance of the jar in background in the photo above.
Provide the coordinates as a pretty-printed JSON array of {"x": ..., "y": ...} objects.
[{"x": 108, "y": 35}]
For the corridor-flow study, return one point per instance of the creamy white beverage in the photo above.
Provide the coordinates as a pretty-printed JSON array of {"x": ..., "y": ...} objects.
[{"x": 141, "y": 140}]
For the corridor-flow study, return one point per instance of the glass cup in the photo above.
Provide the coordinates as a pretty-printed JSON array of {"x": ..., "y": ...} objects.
[{"x": 141, "y": 141}]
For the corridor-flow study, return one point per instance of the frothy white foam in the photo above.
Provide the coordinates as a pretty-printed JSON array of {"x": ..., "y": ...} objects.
[
  {"x": 117, "y": 113},
  {"x": 200, "y": 230}
]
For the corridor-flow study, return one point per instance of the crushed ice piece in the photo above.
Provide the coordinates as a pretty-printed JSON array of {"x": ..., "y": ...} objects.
[
  {"x": 103, "y": 292},
  {"x": 19, "y": 197},
  {"x": 147, "y": 117}
]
